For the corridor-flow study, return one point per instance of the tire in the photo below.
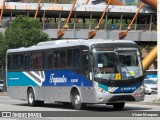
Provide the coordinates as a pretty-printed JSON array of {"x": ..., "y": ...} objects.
[
  {"x": 76, "y": 101},
  {"x": 149, "y": 93},
  {"x": 118, "y": 106},
  {"x": 31, "y": 99}
]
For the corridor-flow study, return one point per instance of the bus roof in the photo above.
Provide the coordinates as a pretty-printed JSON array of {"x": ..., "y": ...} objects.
[{"x": 66, "y": 43}]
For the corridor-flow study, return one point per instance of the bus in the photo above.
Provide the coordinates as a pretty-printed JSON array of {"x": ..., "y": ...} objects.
[
  {"x": 76, "y": 72},
  {"x": 151, "y": 74}
]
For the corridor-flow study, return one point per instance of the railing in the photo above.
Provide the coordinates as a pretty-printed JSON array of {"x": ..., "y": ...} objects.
[{"x": 144, "y": 27}]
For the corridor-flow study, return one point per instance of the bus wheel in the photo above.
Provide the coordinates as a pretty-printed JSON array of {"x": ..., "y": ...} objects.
[
  {"x": 118, "y": 106},
  {"x": 31, "y": 99},
  {"x": 76, "y": 101}
]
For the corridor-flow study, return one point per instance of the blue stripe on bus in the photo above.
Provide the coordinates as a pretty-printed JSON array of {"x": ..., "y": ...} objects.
[
  {"x": 19, "y": 79},
  {"x": 52, "y": 78},
  {"x": 65, "y": 78}
]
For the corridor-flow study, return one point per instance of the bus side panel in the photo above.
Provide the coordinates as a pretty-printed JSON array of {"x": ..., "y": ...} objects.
[
  {"x": 53, "y": 93},
  {"x": 88, "y": 95},
  {"x": 17, "y": 92},
  {"x": 50, "y": 85}
]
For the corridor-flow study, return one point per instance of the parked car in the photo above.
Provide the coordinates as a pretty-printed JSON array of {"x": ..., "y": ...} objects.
[
  {"x": 150, "y": 86},
  {"x": 1, "y": 85}
]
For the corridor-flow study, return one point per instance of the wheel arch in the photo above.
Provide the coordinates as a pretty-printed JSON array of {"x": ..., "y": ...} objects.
[{"x": 74, "y": 88}]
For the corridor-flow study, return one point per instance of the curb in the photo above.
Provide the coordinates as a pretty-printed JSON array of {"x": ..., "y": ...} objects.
[{"x": 147, "y": 103}]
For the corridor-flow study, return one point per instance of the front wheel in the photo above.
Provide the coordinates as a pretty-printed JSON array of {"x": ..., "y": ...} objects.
[
  {"x": 76, "y": 101},
  {"x": 118, "y": 106}
]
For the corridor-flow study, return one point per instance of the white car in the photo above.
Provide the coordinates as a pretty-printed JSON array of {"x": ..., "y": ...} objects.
[
  {"x": 150, "y": 86},
  {"x": 1, "y": 85}
]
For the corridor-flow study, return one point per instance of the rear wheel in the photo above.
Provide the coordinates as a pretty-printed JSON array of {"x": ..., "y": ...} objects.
[
  {"x": 118, "y": 106},
  {"x": 31, "y": 99},
  {"x": 76, "y": 101}
]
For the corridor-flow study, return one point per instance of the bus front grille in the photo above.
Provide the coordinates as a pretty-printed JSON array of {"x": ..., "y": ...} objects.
[{"x": 122, "y": 98}]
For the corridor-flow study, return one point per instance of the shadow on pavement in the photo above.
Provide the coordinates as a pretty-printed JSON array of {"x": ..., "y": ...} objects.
[{"x": 89, "y": 107}]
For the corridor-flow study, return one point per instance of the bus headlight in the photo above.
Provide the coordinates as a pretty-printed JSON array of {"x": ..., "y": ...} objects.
[
  {"x": 140, "y": 89},
  {"x": 101, "y": 90}
]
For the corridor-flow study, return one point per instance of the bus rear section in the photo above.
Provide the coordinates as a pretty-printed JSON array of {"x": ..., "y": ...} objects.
[{"x": 84, "y": 72}]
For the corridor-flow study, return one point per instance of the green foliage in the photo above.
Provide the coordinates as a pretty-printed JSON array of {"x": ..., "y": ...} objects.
[
  {"x": 2, "y": 49},
  {"x": 22, "y": 32}
]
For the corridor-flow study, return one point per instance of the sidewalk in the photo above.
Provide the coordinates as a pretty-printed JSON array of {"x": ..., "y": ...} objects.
[{"x": 3, "y": 93}]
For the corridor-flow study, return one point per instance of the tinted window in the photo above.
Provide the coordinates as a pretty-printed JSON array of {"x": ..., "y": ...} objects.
[
  {"x": 15, "y": 62},
  {"x": 10, "y": 62},
  {"x": 21, "y": 61},
  {"x": 36, "y": 61},
  {"x": 73, "y": 58},
  {"x": 60, "y": 59},
  {"x": 50, "y": 60},
  {"x": 27, "y": 61}
]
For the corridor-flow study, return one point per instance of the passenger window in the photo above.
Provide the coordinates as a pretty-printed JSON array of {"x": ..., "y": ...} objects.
[
  {"x": 44, "y": 60},
  {"x": 15, "y": 62},
  {"x": 36, "y": 61},
  {"x": 10, "y": 62},
  {"x": 21, "y": 61},
  {"x": 27, "y": 62},
  {"x": 50, "y": 60},
  {"x": 60, "y": 59},
  {"x": 73, "y": 58}
]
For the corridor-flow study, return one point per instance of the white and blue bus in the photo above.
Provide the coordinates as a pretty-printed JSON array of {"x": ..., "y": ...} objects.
[
  {"x": 76, "y": 72},
  {"x": 151, "y": 74}
]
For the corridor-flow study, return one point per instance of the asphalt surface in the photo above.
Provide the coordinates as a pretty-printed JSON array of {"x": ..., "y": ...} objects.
[{"x": 58, "y": 111}]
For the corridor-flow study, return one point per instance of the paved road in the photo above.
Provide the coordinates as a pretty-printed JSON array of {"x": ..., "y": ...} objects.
[{"x": 10, "y": 104}]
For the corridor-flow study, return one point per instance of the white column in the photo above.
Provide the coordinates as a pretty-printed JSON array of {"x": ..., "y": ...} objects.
[{"x": 158, "y": 43}]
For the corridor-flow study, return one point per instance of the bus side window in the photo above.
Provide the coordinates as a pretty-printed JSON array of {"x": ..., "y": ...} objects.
[
  {"x": 85, "y": 65},
  {"x": 21, "y": 61},
  {"x": 15, "y": 62},
  {"x": 10, "y": 62},
  {"x": 36, "y": 61},
  {"x": 50, "y": 60},
  {"x": 44, "y": 60},
  {"x": 73, "y": 58},
  {"x": 27, "y": 61},
  {"x": 60, "y": 59}
]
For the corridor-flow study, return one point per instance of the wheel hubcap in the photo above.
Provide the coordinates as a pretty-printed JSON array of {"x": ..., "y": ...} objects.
[
  {"x": 30, "y": 98},
  {"x": 77, "y": 99}
]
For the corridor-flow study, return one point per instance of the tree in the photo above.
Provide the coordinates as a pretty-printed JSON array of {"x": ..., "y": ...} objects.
[
  {"x": 2, "y": 50},
  {"x": 22, "y": 32}
]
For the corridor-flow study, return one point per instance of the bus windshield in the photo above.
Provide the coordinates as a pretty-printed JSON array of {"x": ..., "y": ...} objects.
[{"x": 125, "y": 62}]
